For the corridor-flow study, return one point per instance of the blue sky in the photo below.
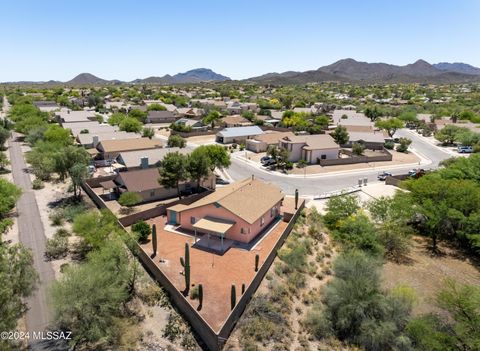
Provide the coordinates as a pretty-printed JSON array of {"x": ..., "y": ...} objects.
[{"x": 48, "y": 39}]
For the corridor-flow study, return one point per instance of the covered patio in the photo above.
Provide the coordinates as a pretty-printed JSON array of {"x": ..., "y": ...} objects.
[{"x": 217, "y": 227}]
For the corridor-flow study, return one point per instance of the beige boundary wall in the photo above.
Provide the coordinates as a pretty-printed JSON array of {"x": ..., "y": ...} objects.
[
  {"x": 215, "y": 340},
  {"x": 212, "y": 339}
]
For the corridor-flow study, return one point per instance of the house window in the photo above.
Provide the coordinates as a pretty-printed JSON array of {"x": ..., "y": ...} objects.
[
  {"x": 323, "y": 157},
  {"x": 262, "y": 221},
  {"x": 243, "y": 231},
  {"x": 192, "y": 220},
  {"x": 152, "y": 193}
]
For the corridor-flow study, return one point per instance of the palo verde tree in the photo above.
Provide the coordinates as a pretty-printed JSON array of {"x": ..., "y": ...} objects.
[{"x": 173, "y": 171}]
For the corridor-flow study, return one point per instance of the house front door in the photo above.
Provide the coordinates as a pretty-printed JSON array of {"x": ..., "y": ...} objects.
[{"x": 173, "y": 217}]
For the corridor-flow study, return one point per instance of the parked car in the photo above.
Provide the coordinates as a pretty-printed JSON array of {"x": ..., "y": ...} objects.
[
  {"x": 221, "y": 181},
  {"x": 416, "y": 173},
  {"x": 269, "y": 162},
  {"x": 382, "y": 176},
  {"x": 464, "y": 149},
  {"x": 265, "y": 159}
]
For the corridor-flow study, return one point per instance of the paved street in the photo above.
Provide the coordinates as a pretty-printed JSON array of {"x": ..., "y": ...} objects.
[
  {"x": 329, "y": 182},
  {"x": 32, "y": 236}
]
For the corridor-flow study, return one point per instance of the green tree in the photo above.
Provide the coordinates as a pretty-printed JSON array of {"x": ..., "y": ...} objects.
[
  {"x": 129, "y": 199},
  {"x": 99, "y": 288},
  {"x": 156, "y": 107},
  {"x": 390, "y": 125},
  {"x": 218, "y": 156},
  {"x": 434, "y": 332},
  {"x": 340, "y": 135},
  {"x": 173, "y": 171},
  {"x": 449, "y": 134},
  {"x": 198, "y": 165},
  {"x": 176, "y": 141},
  {"x": 58, "y": 135},
  {"x": 18, "y": 277},
  {"x": 338, "y": 208},
  {"x": 211, "y": 118},
  {"x": 139, "y": 115},
  {"x": 116, "y": 118},
  {"x": 4, "y": 135},
  {"x": 130, "y": 124},
  {"x": 78, "y": 173},
  {"x": 95, "y": 228},
  {"x": 373, "y": 112}
]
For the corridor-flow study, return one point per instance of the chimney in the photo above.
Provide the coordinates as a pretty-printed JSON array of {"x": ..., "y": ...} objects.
[
  {"x": 95, "y": 141},
  {"x": 68, "y": 112},
  {"x": 144, "y": 162}
]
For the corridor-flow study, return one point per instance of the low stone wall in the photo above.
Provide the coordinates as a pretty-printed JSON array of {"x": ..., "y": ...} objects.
[
  {"x": 395, "y": 180},
  {"x": 215, "y": 341},
  {"x": 387, "y": 156}
]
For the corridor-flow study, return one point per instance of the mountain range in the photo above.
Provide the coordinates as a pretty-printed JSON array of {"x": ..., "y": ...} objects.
[
  {"x": 350, "y": 70},
  {"x": 346, "y": 70}
]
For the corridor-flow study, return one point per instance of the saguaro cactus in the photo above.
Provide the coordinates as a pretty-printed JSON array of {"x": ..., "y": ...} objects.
[
  {"x": 243, "y": 288},
  {"x": 200, "y": 294},
  {"x": 233, "y": 297},
  {"x": 186, "y": 264},
  {"x": 257, "y": 259},
  {"x": 296, "y": 198},
  {"x": 154, "y": 239}
]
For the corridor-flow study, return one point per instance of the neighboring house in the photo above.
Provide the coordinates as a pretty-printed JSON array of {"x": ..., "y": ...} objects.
[
  {"x": 46, "y": 106},
  {"x": 310, "y": 148},
  {"x": 145, "y": 183},
  {"x": 69, "y": 116},
  {"x": 219, "y": 104},
  {"x": 190, "y": 112},
  {"x": 160, "y": 117},
  {"x": 236, "y": 107},
  {"x": 237, "y": 134},
  {"x": 260, "y": 143},
  {"x": 110, "y": 149},
  {"x": 145, "y": 158},
  {"x": 240, "y": 211},
  {"x": 194, "y": 123},
  {"x": 91, "y": 140},
  {"x": 235, "y": 121},
  {"x": 353, "y": 118},
  {"x": 89, "y": 127},
  {"x": 372, "y": 140}
]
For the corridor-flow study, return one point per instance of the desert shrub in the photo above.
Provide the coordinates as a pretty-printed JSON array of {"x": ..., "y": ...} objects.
[
  {"x": 129, "y": 198},
  {"x": 356, "y": 310},
  {"x": 37, "y": 184},
  {"x": 389, "y": 145},
  {"x": 56, "y": 247},
  {"x": 71, "y": 210},
  {"x": 404, "y": 144},
  {"x": 358, "y": 149},
  {"x": 57, "y": 217},
  {"x": 194, "y": 292},
  {"x": 142, "y": 229},
  {"x": 62, "y": 233}
]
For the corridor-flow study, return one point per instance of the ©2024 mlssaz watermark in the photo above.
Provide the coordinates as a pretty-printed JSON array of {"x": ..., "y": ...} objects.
[{"x": 36, "y": 335}]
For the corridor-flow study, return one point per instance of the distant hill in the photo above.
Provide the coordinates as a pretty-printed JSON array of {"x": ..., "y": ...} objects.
[
  {"x": 458, "y": 67},
  {"x": 350, "y": 70},
  {"x": 86, "y": 79},
  {"x": 197, "y": 75}
]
